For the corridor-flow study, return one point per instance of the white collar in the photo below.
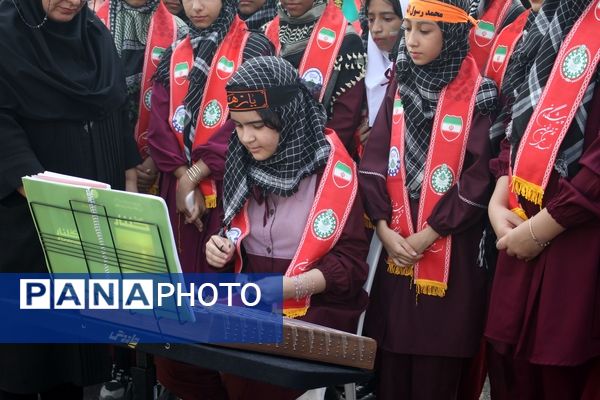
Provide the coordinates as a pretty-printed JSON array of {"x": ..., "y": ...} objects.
[
  {"x": 404, "y": 6},
  {"x": 375, "y": 80}
]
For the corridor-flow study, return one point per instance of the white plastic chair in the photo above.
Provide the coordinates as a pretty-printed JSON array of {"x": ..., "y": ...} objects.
[{"x": 372, "y": 259}]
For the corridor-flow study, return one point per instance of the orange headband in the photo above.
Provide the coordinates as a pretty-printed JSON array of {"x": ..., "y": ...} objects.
[{"x": 438, "y": 11}]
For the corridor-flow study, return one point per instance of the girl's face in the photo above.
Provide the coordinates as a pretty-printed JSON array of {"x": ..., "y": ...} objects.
[
  {"x": 260, "y": 140},
  {"x": 62, "y": 10},
  {"x": 135, "y": 3},
  {"x": 424, "y": 40},
  {"x": 174, "y": 6},
  {"x": 384, "y": 24},
  {"x": 297, "y": 8},
  {"x": 249, "y": 7},
  {"x": 202, "y": 13}
]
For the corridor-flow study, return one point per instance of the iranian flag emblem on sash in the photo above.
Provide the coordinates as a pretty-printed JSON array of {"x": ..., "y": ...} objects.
[
  {"x": 157, "y": 52},
  {"x": 452, "y": 127},
  {"x": 325, "y": 38},
  {"x": 342, "y": 175},
  {"x": 181, "y": 72},
  {"x": 225, "y": 68},
  {"x": 398, "y": 111},
  {"x": 499, "y": 57},
  {"x": 484, "y": 33}
]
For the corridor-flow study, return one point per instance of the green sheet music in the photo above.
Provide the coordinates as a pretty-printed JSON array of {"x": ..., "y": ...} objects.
[{"x": 88, "y": 229}]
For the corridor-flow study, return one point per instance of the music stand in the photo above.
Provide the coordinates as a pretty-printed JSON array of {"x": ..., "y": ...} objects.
[{"x": 96, "y": 239}]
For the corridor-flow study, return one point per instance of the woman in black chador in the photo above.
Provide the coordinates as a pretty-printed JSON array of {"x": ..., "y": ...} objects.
[{"x": 62, "y": 99}]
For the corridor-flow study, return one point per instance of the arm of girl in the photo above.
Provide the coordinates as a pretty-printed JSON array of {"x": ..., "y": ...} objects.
[
  {"x": 131, "y": 180},
  {"x": 312, "y": 282},
  {"x": 146, "y": 174},
  {"x": 421, "y": 240},
  {"x": 503, "y": 220},
  {"x": 529, "y": 239},
  {"x": 187, "y": 182}
]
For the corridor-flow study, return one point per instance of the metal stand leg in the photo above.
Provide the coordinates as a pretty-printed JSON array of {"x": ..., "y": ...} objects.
[
  {"x": 144, "y": 377},
  {"x": 350, "y": 391}
]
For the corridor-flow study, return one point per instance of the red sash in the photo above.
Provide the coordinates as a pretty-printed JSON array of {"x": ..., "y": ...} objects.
[
  {"x": 213, "y": 108},
  {"x": 482, "y": 36},
  {"x": 333, "y": 201},
  {"x": 451, "y": 129},
  {"x": 162, "y": 32},
  {"x": 503, "y": 49},
  {"x": 574, "y": 68},
  {"x": 102, "y": 13},
  {"x": 272, "y": 33},
  {"x": 513, "y": 199},
  {"x": 323, "y": 46}
]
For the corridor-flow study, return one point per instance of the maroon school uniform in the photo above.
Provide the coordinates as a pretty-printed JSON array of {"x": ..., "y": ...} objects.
[
  {"x": 545, "y": 311},
  {"x": 448, "y": 326},
  {"x": 338, "y": 307},
  {"x": 543, "y": 323},
  {"x": 168, "y": 156},
  {"x": 430, "y": 336}
]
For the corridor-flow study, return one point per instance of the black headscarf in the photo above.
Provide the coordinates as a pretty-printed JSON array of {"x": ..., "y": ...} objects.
[
  {"x": 544, "y": 52},
  {"x": 420, "y": 87},
  {"x": 302, "y": 147},
  {"x": 61, "y": 71}
]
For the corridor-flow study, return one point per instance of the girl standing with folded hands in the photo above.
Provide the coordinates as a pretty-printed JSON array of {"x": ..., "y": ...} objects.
[{"x": 424, "y": 173}]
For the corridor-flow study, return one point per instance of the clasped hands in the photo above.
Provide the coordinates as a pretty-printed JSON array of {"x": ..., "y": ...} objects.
[
  {"x": 405, "y": 251},
  {"x": 524, "y": 240}
]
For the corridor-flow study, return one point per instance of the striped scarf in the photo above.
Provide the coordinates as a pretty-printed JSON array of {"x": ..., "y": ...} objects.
[
  {"x": 474, "y": 8},
  {"x": 518, "y": 67},
  {"x": 294, "y": 32},
  {"x": 129, "y": 27}
]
